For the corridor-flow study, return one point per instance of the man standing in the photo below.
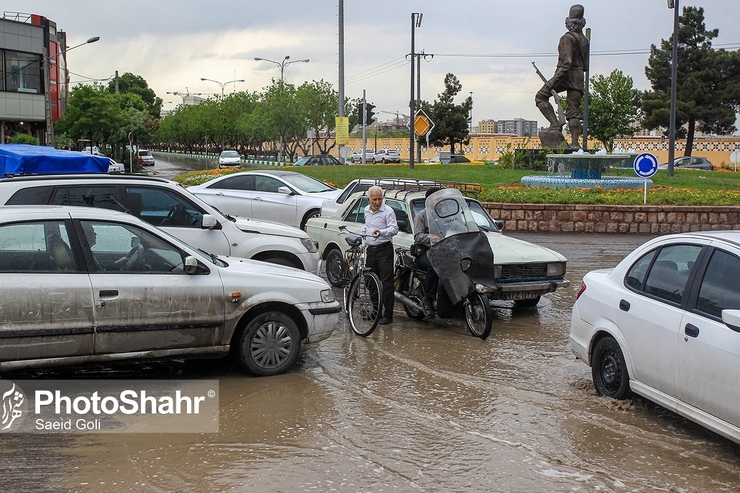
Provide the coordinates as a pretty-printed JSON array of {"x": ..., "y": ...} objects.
[
  {"x": 380, "y": 222},
  {"x": 573, "y": 53},
  {"x": 422, "y": 237}
]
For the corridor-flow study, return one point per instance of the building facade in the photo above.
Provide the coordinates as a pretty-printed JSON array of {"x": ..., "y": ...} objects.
[
  {"x": 519, "y": 127},
  {"x": 31, "y": 98}
]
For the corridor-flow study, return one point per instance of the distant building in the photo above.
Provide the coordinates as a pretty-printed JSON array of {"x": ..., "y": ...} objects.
[
  {"x": 30, "y": 100},
  {"x": 487, "y": 127},
  {"x": 519, "y": 127}
]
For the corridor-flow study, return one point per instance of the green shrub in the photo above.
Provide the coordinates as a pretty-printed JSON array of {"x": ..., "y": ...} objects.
[{"x": 25, "y": 139}]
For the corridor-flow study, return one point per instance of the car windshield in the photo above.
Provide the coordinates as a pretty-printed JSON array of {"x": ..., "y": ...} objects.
[
  {"x": 302, "y": 161},
  {"x": 229, "y": 154},
  {"x": 307, "y": 184},
  {"x": 482, "y": 219},
  {"x": 145, "y": 153}
]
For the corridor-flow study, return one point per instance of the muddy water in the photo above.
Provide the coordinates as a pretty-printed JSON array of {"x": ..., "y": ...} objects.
[{"x": 415, "y": 407}]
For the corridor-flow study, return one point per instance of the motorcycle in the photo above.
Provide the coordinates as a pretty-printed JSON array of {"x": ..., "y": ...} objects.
[{"x": 463, "y": 260}]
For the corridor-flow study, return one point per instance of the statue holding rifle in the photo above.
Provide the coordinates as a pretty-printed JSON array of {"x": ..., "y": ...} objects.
[{"x": 573, "y": 53}]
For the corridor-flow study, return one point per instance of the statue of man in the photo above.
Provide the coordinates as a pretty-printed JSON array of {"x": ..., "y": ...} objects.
[{"x": 573, "y": 56}]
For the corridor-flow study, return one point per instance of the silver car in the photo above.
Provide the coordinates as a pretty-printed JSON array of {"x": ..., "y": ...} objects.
[{"x": 81, "y": 284}]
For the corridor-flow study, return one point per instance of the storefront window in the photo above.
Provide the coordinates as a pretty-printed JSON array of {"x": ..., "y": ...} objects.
[{"x": 22, "y": 72}]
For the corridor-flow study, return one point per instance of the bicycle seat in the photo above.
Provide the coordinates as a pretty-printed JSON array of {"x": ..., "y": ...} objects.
[{"x": 353, "y": 240}]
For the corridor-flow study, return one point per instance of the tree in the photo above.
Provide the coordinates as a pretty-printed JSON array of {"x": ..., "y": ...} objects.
[
  {"x": 135, "y": 84},
  {"x": 93, "y": 113},
  {"x": 450, "y": 120},
  {"x": 614, "y": 105},
  {"x": 708, "y": 82}
]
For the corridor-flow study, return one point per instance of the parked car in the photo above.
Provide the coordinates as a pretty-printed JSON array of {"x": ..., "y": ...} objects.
[
  {"x": 320, "y": 160},
  {"x": 170, "y": 206},
  {"x": 286, "y": 197},
  {"x": 145, "y": 157},
  {"x": 457, "y": 159},
  {"x": 115, "y": 167},
  {"x": 665, "y": 324},
  {"x": 523, "y": 271},
  {"x": 94, "y": 150},
  {"x": 92, "y": 285},
  {"x": 690, "y": 162},
  {"x": 357, "y": 156},
  {"x": 329, "y": 207},
  {"x": 229, "y": 159},
  {"x": 387, "y": 156}
]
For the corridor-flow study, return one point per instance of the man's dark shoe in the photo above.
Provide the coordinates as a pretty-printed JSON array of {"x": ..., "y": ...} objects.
[
  {"x": 428, "y": 306},
  {"x": 385, "y": 321}
]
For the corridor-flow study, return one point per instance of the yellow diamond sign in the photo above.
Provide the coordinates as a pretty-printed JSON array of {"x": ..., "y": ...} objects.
[{"x": 422, "y": 125}]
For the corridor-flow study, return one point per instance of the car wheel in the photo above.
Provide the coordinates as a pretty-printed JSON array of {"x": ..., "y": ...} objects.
[
  {"x": 309, "y": 215},
  {"x": 269, "y": 344},
  {"x": 334, "y": 265},
  {"x": 609, "y": 370}
]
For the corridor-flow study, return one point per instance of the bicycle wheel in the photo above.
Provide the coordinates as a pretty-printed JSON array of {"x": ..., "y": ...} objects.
[
  {"x": 363, "y": 303},
  {"x": 478, "y": 315}
]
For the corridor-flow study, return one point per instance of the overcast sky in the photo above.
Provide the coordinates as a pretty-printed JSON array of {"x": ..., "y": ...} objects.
[{"x": 488, "y": 44}]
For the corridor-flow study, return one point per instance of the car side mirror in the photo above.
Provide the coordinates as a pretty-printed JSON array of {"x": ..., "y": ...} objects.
[
  {"x": 191, "y": 265},
  {"x": 208, "y": 222},
  {"x": 731, "y": 318},
  {"x": 285, "y": 190},
  {"x": 499, "y": 224},
  {"x": 403, "y": 226}
]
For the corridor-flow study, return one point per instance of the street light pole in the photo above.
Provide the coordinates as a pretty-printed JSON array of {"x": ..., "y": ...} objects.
[
  {"x": 284, "y": 63},
  {"x": 674, "y": 74},
  {"x": 47, "y": 87},
  {"x": 223, "y": 84}
]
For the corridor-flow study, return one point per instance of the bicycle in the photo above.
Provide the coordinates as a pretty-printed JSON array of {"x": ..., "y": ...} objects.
[{"x": 362, "y": 287}]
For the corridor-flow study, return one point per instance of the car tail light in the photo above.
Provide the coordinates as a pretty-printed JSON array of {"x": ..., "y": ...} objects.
[{"x": 581, "y": 289}]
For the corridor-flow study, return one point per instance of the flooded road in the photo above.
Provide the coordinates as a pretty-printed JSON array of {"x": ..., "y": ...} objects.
[{"x": 417, "y": 406}]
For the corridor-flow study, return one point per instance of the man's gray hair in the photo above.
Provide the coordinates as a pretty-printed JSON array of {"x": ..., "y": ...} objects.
[{"x": 373, "y": 189}]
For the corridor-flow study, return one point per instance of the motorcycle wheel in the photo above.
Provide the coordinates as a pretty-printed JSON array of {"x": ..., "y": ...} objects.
[
  {"x": 412, "y": 313},
  {"x": 478, "y": 315}
]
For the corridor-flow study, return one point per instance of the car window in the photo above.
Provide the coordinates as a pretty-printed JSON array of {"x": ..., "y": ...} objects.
[
  {"x": 636, "y": 275},
  {"x": 670, "y": 271},
  {"x": 356, "y": 213},
  {"x": 128, "y": 249},
  {"x": 30, "y": 196},
  {"x": 307, "y": 184},
  {"x": 720, "y": 287},
  {"x": 402, "y": 215},
  {"x": 267, "y": 184},
  {"x": 101, "y": 196},
  {"x": 36, "y": 246},
  {"x": 163, "y": 207},
  {"x": 238, "y": 182},
  {"x": 481, "y": 217}
]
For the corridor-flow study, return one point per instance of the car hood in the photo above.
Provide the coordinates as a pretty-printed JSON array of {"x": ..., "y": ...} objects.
[
  {"x": 508, "y": 250},
  {"x": 330, "y": 195},
  {"x": 275, "y": 275},
  {"x": 268, "y": 227}
]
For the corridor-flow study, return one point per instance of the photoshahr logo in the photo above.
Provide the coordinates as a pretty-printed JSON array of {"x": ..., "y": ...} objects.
[{"x": 12, "y": 400}]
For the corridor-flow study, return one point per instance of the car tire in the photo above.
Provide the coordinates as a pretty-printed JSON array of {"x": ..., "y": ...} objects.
[
  {"x": 334, "y": 265},
  {"x": 309, "y": 215},
  {"x": 609, "y": 369},
  {"x": 269, "y": 344}
]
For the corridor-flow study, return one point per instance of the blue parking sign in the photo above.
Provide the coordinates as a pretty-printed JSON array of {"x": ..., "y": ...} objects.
[{"x": 645, "y": 165}]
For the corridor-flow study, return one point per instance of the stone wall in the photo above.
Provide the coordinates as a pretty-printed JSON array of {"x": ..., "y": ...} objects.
[{"x": 646, "y": 219}]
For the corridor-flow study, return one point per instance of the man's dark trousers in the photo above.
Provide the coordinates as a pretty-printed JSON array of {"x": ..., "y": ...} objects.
[{"x": 380, "y": 260}]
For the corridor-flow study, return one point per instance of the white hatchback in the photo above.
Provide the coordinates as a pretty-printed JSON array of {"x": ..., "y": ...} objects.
[
  {"x": 81, "y": 284},
  {"x": 229, "y": 159},
  {"x": 665, "y": 324}
]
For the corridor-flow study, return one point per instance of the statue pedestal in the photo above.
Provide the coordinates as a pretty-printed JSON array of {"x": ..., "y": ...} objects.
[{"x": 552, "y": 138}]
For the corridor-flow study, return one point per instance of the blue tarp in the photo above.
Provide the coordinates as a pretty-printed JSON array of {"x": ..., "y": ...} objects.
[{"x": 24, "y": 159}]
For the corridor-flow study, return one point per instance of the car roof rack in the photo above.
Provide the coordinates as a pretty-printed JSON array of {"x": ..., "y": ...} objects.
[
  {"x": 415, "y": 185},
  {"x": 78, "y": 176}
]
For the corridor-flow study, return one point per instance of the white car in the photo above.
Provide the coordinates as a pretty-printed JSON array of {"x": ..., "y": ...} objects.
[
  {"x": 329, "y": 207},
  {"x": 145, "y": 157},
  {"x": 286, "y": 197},
  {"x": 387, "y": 156},
  {"x": 170, "y": 206},
  {"x": 523, "y": 271},
  {"x": 357, "y": 156},
  {"x": 83, "y": 285},
  {"x": 115, "y": 167},
  {"x": 229, "y": 159},
  {"x": 665, "y": 324}
]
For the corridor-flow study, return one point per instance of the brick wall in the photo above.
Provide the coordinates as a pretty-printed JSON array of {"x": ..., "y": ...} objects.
[{"x": 564, "y": 218}]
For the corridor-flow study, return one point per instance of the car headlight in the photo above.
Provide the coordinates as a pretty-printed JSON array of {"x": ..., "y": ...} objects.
[
  {"x": 327, "y": 296},
  {"x": 310, "y": 245},
  {"x": 557, "y": 269}
]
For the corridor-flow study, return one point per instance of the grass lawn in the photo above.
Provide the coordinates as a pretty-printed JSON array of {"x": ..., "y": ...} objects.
[{"x": 686, "y": 187}]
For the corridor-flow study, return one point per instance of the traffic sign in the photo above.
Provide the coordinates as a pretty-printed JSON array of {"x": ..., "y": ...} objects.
[
  {"x": 130, "y": 136},
  {"x": 645, "y": 165},
  {"x": 422, "y": 124},
  {"x": 735, "y": 157}
]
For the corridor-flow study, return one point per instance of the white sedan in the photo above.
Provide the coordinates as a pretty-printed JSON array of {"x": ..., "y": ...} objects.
[
  {"x": 229, "y": 159},
  {"x": 81, "y": 284},
  {"x": 285, "y": 197},
  {"x": 665, "y": 324}
]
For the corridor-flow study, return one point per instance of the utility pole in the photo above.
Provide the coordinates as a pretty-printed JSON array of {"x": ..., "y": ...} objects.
[{"x": 415, "y": 22}]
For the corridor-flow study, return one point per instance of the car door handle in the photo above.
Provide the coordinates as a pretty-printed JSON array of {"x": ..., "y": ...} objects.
[
  {"x": 258, "y": 198},
  {"x": 691, "y": 330},
  {"x": 220, "y": 194},
  {"x": 624, "y": 305},
  {"x": 108, "y": 293}
]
